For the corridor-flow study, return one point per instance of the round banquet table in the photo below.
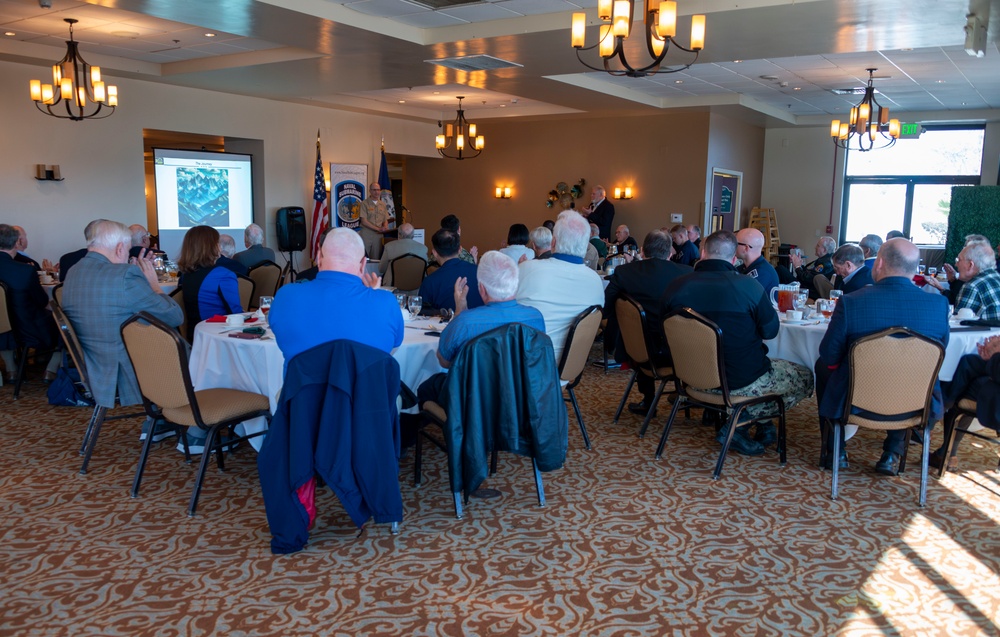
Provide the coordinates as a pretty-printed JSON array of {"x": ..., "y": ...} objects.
[{"x": 258, "y": 366}]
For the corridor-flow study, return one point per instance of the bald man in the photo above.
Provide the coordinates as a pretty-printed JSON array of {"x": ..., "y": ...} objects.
[
  {"x": 20, "y": 255},
  {"x": 749, "y": 243},
  {"x": 893, "y": 300},
  {"x": 374, "y": 221},
  {"x": 341, "y": 302},
  {"x": 404, "y": 245}
]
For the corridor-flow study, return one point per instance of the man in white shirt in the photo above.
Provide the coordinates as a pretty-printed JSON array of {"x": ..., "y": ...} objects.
[{"x": 561, "y": 287}]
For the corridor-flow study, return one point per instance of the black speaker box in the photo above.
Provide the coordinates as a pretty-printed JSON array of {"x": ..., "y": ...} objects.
[{"x": 291, "y": 229}]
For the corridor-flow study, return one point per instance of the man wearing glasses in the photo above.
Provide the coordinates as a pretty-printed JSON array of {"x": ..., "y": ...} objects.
[{"x": 749, "y": 244}]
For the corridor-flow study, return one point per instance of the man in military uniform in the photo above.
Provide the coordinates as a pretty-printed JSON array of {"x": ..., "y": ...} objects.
[
  {"x": 822, "y": 266},
  {"x": 374, "y": 221}
]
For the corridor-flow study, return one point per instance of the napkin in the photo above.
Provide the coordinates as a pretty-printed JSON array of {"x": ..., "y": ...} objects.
[{"x": 221, "y": 318}]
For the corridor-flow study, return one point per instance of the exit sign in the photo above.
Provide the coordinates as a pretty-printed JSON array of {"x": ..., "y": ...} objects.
[{"x": 909, "y": 130}]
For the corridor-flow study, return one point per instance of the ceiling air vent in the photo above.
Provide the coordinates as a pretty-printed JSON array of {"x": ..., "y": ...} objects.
[
  {"x": 850, "y": 91},
  {"x": 474, "y": 63},
  {"x": 444, "y": 4}
]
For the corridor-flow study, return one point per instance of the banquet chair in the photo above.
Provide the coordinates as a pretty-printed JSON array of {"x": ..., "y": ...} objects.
[
  {"x": 266, "y": 276},
  {"x": 247, "y": 287},
  {"x": 890, "y": 386},
  {"x": 579, "y": 340},
  {"x": 98, "y": 416},
  {"x": 696, "y": 347},
  {"x": 407, "y": 272},
  {"x": 963, "y": 412},
  {"x": 503, "y": 394},
  {"x": 632, "y": 326},
  {"x": 6, "y": 326},
  {"x": 160, "y": 359},
  {"x": 21, "y": 350},
  {"x": 57, "y": 293},
  {"x": 178, "y": 298}
]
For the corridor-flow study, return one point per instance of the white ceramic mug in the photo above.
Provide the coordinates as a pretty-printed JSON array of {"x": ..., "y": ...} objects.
[
  {"x": 793, "y": 315},
  {"x": 235, "y": 320}
]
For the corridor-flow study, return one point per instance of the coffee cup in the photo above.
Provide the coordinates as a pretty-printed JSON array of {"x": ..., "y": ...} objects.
[
  {"x": 235, "y": 320},
  {"x": 966, "y": 313},
  {"x": 793, "y": 315}
]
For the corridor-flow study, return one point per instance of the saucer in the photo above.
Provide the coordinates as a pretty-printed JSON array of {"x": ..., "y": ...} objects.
[{"x": 797, "y": 322}]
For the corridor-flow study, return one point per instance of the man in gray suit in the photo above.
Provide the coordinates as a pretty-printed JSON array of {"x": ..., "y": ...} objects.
[
  {"x": 253, "y": 239},
  {"x": 401, "y": 246},
  {"x": 100, "y": 293}
]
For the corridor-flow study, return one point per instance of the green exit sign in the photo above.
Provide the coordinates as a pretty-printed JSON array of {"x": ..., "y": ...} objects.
[{"x": 909, "y": 130}]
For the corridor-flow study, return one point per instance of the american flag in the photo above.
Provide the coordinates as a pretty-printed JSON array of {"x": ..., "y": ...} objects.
[{"x": 321, "y": 212}]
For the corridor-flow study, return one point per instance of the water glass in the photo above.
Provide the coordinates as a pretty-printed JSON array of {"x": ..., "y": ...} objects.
[
  {"x": 932, "y": 271},
  {"x": 401, "y": 300},
  {"x": 415, "y": 305},
  {"x": 801, "y": 300}
]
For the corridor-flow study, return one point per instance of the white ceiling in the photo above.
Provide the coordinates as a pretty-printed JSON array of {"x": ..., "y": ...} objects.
[{"x": 371, "y": 54}]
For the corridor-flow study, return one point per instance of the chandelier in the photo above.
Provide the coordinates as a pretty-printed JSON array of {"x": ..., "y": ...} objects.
[
  {"x": 661, "y": 29},
  {"x": 460, "y": 135},
  {"x": 74, "y": 82},
  {"x": 863, "y": 131}
]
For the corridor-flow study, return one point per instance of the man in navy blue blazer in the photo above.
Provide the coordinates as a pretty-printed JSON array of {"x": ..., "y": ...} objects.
[
  {"x": 852, "y": 270},
  {"x": 892, "y": 301}
]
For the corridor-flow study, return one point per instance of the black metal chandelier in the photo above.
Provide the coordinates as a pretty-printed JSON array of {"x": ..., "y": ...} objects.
[
  {"x": 864, "y": 131},
  {"x": 459, "y": 139},
  {"x": 616, "y": 23},
  {"x": 74, "y": 84}
]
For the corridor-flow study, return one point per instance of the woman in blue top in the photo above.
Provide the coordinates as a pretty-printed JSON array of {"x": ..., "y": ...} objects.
[{"x": 207, "y": 289}]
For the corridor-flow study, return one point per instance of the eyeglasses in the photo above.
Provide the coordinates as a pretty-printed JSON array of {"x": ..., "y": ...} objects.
[{"x": 745, "y": 245}]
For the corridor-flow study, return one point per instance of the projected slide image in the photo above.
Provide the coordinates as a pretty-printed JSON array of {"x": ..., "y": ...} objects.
[{"x": 202, "y": 197}]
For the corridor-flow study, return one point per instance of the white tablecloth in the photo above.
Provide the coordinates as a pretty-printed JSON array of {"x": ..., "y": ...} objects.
[{"x": 258, "y": 366}]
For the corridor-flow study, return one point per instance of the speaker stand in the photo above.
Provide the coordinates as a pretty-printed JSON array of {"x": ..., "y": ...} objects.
[{"x": 289, "y": 269}]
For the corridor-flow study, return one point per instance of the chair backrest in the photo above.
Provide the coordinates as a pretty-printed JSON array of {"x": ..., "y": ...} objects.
[
  {"x": 431, "y": 269},
  {"x": 892, "y": 372},
  {"x": 631, "y": 323},
  {"x": 407, "y": 271},
  {"x": 582, "y": 332},
  {"x": 247, "y": 287},
  {"x": 695, "y": 345},
  {"x": 266, "y": 276},
  {"x": 72, "y": 342},
  {"x": 6, "y": 324},
  {"x": 159, "y": 358},
  {"x": 57, "y": 293},
  {"x": 178, "y": 296}
]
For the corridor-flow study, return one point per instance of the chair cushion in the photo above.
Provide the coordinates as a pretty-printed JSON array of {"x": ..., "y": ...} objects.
[
  {"x": 435, "y": 410},
  {"x": 716, "y": 399},
  {"x": 884, "y": 425},
  {"x": 218, "y": 405},
  {"x": 967, "y": 404}
]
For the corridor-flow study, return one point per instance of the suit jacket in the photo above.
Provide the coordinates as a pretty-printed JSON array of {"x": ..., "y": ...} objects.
[
  {"x": 892, "y": 302},
  {"x": 395, "y": 249},
  {"x": 27, "y": 304},
  {"x": 645, "y": 281},
  {"x": 233, "y": 265},
  {"x": 98, "y": 296},
  {"x": 861, "y": 278},
  {"x": 23, "y": 258},
  {"x": 603, "y": 216},
  {"x": 254, "y": 255},
  {"x": 68, "y": 260}
]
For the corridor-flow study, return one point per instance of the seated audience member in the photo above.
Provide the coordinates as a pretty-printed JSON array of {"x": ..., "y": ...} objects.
[
  {"x": 404, "y": 245},
  {"x": 100, "y": 293},
  {"x": 561, "y": 287},
  {"x": 20, "y": 254},
  {"x": 517, "y": 243},
  {"x": 541, "y": 242},
  {"x": 850, "y": 265},
  {"x": 822, "y": 265},
  {"x": 140, "y": 240},
  {"x": 549, "y": 225},
  {"x": 893, "y": 300},
  {"x": 645, "y": 282},
  {"x": 977, "y": 377},
  {"x": 305, "y": 315},
  {"x": 952, "y": 288},
  {"x": 694, "y": 235},
  {"x": 749, "y": 243},
  {"x": 976, "y": 268},
  {"x": 623, "y": 240},
  {"x": 894, "y": 234},
  {"x": 685, "y": 252},
  {"x": 738, "y": 305},
  {"x": 597, "y": 242},
  {"x": 253, "y": 239},
  {"x": 438, "y": 288},
  {"x": 451, "y": 223},
  {"x": 70, "y": 259},
  {"x": 227, "y": 248},
  {"x": 27, "y": 306},
  {"x": 870, "y": 243},
  {"x": 497, "y": 280},
  {"x": 208, "y": 289}
]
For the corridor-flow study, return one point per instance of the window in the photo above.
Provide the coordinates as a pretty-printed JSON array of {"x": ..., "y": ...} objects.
[{"x": 908, "y": 187}]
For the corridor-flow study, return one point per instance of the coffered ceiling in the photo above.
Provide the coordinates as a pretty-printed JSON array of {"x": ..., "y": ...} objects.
[{"x": 773, "y": 60}]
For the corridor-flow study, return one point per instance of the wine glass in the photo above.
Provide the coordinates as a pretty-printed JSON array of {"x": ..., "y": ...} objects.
[
  {"x": 265, "y": 305},
  {"x": 401, "y": 300},
  {"x": 835, "y": 295},
  {"x": 825, "y": 307},
  {"x": 415, "y": 305}
]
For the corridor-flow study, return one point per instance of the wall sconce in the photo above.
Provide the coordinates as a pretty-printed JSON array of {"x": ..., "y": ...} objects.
[
  {"x": 623, "y": 193},
  {"x": 502, "y": 192},
  {"x": 327, "y": 181}
]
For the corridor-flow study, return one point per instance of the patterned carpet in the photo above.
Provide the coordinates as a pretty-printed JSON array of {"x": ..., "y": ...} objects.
[{"x": 626, "y": 546}]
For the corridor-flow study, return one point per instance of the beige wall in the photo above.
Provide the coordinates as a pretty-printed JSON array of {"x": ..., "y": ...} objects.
[{"x": 736, "y": 145}]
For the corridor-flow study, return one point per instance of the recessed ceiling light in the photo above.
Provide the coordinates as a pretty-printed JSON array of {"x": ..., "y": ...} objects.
[
  {"x": 906, "y": 49},
  {"x": 678, "y": 81},
  {"x": 209, "y": 35},
  {"x": 939, "y": 81},
  {"x": 9, "y": 34},
  {"x": 797, "y": 88},
  {"x": 402, "y": 101},
  {"x": 737, "y": 61}
]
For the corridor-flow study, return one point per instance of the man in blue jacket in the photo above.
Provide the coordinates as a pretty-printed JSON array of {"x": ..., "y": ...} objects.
[
  {"x": 852, "y": 270},
  {"x": 892, "y": 301}
]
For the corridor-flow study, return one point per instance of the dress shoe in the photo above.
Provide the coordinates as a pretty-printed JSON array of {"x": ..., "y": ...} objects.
[
  {"x": 767, "y": 433},
  {"x": 888, "y": 464},
  {"x": 640, "y": 408},
  {"x": 841, "y": 464},
  {"x": 48, "y": 378},
  {"x": 741, "y": 443},
  {"x": 936, "y": 458}
]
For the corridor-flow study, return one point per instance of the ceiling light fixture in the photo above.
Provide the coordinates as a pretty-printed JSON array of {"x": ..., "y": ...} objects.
[
  {"x": 9, "y": 34},
  {"x": 864, "y": 131},
  {"x": 616, "y": 24},
  {"x": 73, "y": 83},
  {"x": 210, "y": 35},
  {"x": 460, "y": 135}
]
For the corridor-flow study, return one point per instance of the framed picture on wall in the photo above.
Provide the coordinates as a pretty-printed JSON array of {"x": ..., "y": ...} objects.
[{"x": 725, "y": 199}]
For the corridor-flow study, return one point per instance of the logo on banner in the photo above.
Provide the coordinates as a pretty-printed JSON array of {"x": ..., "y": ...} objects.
[{"x": 349, "y": 195}]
